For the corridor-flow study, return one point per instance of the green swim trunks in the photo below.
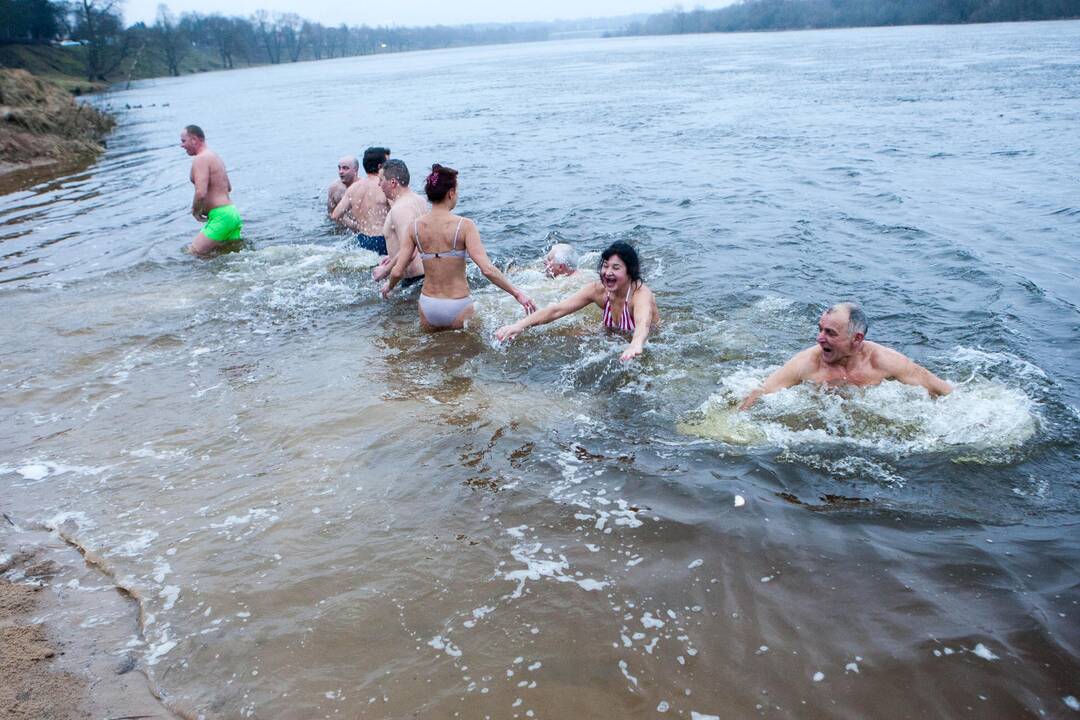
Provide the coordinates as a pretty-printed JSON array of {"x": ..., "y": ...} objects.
[{"x": 223, "y": 224}]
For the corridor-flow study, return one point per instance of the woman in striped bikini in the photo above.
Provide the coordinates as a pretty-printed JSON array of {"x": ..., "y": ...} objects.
[{"x": 629, "y": 305}]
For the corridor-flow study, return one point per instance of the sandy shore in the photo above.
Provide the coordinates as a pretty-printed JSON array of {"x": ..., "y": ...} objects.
[{"x": 64, "y": 637}]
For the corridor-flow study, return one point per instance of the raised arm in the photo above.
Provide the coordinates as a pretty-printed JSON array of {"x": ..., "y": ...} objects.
[
  {"x": 644, "y": 300},
  {"x": 479, "y": 255},
  {"x": 792, "y": 373},
  {"x": 569, "y": 305}
]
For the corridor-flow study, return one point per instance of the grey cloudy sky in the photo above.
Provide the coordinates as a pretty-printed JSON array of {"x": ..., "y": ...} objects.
[{"x": 409, "y": 12}]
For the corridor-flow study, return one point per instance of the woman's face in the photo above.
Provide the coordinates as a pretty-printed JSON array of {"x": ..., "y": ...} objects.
[{"x": 613, "y": 273}]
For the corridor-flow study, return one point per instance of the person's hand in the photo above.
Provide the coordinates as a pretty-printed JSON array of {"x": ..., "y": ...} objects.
[
  {"x": 508, "y": 332},
  {"x": 750, "y": 400},
  {"x": 386, "y": 290},
  {"x": 630, "y": 352},
  {"x": 526, "y": 302},
  {"x": 199, "y": 216},
  {"x": 381, "y": 270}
]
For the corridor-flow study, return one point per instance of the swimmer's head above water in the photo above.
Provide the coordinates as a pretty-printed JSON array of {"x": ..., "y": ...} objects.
[
  {"x": 843, "y": 356},
  {"x": 441, "y": 185},
  {"x": 841, "y": 331},
  {"x": 619, "y": 265},
  {"x": 394, "y": 178},
  {"x": 375, "y": 158},
  {"x": 348, "y": 168},
  {"x": 192, "y": 139},
  {"x": 560, "y": 260}
]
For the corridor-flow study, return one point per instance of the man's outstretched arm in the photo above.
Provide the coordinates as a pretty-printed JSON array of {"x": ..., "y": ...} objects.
[
  {"x": 792, "y": 373},
  {"x": 909, "y": 372}
]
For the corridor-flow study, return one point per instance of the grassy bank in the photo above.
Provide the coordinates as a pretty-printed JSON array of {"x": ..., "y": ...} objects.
[
  {"x": 66, "y": 66},
  {"x": 42, "y": 126}
]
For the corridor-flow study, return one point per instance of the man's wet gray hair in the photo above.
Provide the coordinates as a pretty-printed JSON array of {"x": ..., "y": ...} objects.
[
  {"x": 857, "y": 322},
  {"x": 396, "y": 170},
  {"x": 563, "y": 254}
]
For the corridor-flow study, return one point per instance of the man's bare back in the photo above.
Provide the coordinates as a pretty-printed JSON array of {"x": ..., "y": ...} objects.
[{"x": 363, "y": 208}]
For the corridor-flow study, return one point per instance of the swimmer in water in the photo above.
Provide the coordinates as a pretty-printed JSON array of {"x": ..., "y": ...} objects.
[
  {"x": 405, "y": 207},
  {"x": 363, "y": 208},
  {"x": 560, "y": 260},
  {"x": 445, "y": 242},
  {"x": 347, "y": 169},
  {"x": 211, "y": 204},
  {"x": 628, "y": 303},
  {"x": 843, "y": 357}
]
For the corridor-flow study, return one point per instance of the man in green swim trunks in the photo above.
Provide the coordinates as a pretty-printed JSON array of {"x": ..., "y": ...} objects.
[{"x": 211, "y": 204}]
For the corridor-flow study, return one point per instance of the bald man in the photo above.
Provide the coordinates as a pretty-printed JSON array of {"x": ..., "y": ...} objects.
[
  {"x": 843, "y": 356},
  {"x": 348, "y": 168}
]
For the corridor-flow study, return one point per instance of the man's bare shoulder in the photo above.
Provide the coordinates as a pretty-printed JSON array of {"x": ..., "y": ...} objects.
[
  {"x": 884, "y": 358},
  {"x": 804, "y": 363}
]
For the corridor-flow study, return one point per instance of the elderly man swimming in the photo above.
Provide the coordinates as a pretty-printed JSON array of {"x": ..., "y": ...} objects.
[
  {"x": 843, "y": 357},
  {"x": 560, "y": 260}
]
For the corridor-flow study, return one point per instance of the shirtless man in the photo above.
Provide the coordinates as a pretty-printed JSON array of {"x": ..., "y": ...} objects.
[
  {"x": 843, "y": 357},
  {"x": 363, "y": 208},
  {"x": 560, "y": 260},
  {"x": 347, "y": 169},
  {"x": 211, "y": 204},
  {"x": 405, "y": 207}
]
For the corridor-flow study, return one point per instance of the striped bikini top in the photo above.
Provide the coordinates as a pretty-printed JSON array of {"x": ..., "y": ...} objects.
[
  {"x": 626, "y": 319},
  {"x": 452, "y": 252}
]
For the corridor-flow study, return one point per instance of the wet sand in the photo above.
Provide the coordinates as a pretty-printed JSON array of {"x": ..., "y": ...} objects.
[{"x": 51, "y": 664}]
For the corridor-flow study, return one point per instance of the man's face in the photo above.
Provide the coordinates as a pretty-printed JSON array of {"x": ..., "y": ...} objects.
[
  {"x": 833, "y": 338},
  {"x": 190, "y": 143},
  {"x": 387, "y": 185},
  {"x": 346, "y": 172},
  {"x": 551, "y": 268}
]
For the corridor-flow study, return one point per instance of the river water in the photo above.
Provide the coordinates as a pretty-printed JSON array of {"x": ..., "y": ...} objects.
[{"x": 324, "y": 512}]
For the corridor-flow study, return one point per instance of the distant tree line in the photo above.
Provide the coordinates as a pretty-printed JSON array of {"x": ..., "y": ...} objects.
[
  {"x": 264, "y": 38},
  {"x": 750, "y": 15}
]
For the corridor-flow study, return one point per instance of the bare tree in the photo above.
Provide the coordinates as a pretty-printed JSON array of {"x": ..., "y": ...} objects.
[
  {"x": 98, "y": 23},
  {"x": 171, "y": 41}
]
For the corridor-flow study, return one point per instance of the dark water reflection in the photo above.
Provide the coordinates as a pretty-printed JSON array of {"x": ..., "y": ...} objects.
[{"x": 325, "y": 511}]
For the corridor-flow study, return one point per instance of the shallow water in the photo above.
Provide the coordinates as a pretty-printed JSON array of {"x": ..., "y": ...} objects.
[{"x": 325, "y": 512}]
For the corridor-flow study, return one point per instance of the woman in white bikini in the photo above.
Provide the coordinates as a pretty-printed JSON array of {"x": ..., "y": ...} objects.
[
  {"x": 444, "y": 242},
  {"x": 629, "y": 305}
]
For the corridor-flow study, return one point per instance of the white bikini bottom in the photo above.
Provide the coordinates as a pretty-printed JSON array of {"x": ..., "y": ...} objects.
[{"x": 442, "y": 312}]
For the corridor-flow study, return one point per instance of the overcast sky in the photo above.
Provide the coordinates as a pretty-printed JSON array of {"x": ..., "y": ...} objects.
[{"x": 411, "y": 12}]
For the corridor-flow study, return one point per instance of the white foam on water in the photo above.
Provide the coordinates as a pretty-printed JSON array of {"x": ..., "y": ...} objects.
[
  {"x": 137, "y": 544},
  {"x": 694, "y": 715},
  {"x": 739, "y": 501},
  {"x": 891, "y": 417},
  {"x": 819, "y": 676},
  {"x": 37, "y": 470},
  {"x": 170, "y": 593},
  {"x": 984, "y": 652},
  {"x": 695, "y": 564},
  {"x": 651, "y": 622},
  {"x": 440, "y": 643},
  {"x": 625, "y": 670},
  {"x": 1071, "y": 702},
  {"x": 539, "y": 567}
]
